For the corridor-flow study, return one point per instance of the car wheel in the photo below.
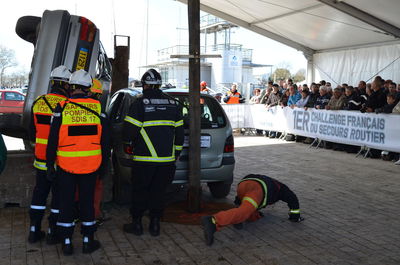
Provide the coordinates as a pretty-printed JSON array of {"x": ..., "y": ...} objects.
[
  {"x": 27, "y": 28},
  {"x": 219, "y": 189}
]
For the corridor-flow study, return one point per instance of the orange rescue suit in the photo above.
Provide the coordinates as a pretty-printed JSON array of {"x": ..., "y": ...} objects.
[
  {"x": 42, "y": 110},
  {"x": 246, "y": 211},
  {"x": 79, "y": 147}
]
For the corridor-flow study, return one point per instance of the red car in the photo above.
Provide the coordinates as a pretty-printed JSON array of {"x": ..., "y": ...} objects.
[{"x": 11, "y": 102}]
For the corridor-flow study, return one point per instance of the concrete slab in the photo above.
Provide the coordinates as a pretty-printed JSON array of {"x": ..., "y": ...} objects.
[{"x": 350, "y": 205}]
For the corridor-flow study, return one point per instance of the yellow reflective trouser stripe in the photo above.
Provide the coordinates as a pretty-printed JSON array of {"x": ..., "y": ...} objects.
[
  {"x": 178, "y": 147},
  {"x": 41, "y": 141},
  {"x": 179, "y": 123},
  {"x": 40, "y": 165},
  {"x": 250, "y": 200},
  {"x": 295, "y": 211},
  {"x": 79, "y": 153},
  {"x": 148, "y": 142},
  {"x": 133, "y": 121},
  {"x": 154, "y": 159},
  {"x": 158, "y": 123},
  {"x": 264, "y": 202}
]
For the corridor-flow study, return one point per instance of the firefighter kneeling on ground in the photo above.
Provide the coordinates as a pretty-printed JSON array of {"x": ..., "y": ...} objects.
[
  {"x": 254, "y": 192},
  {"x": 79, "y": 143},
  {"x": 41, "y": 113}
]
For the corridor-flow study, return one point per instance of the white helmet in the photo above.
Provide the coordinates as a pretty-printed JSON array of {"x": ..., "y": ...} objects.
[
  {"x": 81, "y": 77},
  {"x": 60, "y": 73}
]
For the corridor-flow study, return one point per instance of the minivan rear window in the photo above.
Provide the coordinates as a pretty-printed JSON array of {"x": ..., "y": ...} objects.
[{"x": 212, "y": 116}]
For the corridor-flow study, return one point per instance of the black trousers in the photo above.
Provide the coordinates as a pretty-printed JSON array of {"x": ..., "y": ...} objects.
[
  {"x": 148, "y": 188},
  {"x": 39, "y": 200},
  {"x": 68, "y": 183},
  {"x": 288, "y": 196}
]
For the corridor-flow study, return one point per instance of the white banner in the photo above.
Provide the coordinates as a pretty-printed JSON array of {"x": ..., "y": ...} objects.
[{"x": 380, "y": 131}]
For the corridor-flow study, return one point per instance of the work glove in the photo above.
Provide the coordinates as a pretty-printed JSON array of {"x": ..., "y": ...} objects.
[
  {"x": 51, "y": 174},
  {"x": 296, "y": 218}
]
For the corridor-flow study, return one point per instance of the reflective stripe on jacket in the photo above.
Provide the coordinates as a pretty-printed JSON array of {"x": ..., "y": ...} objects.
[
  {"x": 42, "y": 110},
  {"x": 234, "y": 98},
  {"x": 154, "y": 126},
  {"x": 79, "y": 142},
  {"x": 269, "y": 186}
]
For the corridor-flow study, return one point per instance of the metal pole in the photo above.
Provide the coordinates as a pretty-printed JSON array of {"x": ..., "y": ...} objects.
[{"x": 194, "y": 192}]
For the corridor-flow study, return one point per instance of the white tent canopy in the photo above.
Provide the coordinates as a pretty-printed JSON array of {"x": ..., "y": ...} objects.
[{"x": 343, "y": 40}]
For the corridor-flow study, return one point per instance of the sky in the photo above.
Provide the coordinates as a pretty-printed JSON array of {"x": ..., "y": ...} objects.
[{"x": 166, "y": 28}]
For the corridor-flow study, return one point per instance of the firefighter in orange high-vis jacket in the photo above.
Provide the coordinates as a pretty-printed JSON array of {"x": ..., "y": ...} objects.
[
  {"x": 233, "y": 96},
  {"x": 42, "y": 111},
  {"x": 254, "y": 192},
  {"x": 79, "y": 145},
  {"x": 95, "y": 92}
]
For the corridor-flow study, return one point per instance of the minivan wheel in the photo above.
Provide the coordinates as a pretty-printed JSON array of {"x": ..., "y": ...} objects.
[{"x": 219, "y": 189}]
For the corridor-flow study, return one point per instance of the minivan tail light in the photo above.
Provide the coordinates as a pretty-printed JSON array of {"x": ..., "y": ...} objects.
[
  {"x": 84, "y": 28},
  {"x": 229, "y": 145}
]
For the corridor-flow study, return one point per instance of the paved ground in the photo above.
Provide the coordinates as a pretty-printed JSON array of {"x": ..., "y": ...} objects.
[{"x": 351, "y": 206}]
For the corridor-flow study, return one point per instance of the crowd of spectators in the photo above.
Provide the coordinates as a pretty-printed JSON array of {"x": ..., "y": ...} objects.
[{"x": 379, "y": 96}]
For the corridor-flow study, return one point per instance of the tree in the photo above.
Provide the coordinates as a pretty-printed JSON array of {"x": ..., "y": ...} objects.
[
  {"x": 299, "y": 76},
  {"x": 7, "y": 60},
  {"x": 281, "y": 74},
  {"x": 16, "y": 79}
]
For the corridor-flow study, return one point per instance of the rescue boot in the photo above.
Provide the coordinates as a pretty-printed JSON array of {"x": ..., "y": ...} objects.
[
  {"x": 67, "y": 247},
  {"x": 35, "y": 234},
  {"x": 52, "y": 236},
  {"x": 209, "y": 228},
  {"x": 135, "y": 227},
  {"x": 90, "y": 244},
  {"x": 154, "y": 226}
]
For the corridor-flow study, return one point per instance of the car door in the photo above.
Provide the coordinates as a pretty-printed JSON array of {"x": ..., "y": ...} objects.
[
  {"x": 117, "y": 111},
  {"x": 12, "y": 102}
]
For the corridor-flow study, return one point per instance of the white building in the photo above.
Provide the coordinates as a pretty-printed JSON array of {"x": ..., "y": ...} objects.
[{"x": 234, "y": 66}]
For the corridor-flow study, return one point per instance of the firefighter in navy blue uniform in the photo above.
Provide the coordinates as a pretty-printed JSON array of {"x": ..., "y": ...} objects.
[
  {"x": 42, "y": 110},
  {"x": 153, "y": 133},
  {"x": 79, "y": 144},
  {"x": 254, "y": 192}
]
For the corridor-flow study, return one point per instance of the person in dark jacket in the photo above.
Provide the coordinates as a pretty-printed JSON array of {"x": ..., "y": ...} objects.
[
  {"x": 284, "y": 98},
  {"x": 391, "y": 103},
  {"x": 153, "y": 134},
  {"x": 254, "y": 192},
  {"x": 314, "y": 94},
  {"x": 323, "y": 99},
  {"x": 393, "y": 90},
  {"x": 353, "y": 101},
  {"x": 377, "y": 99}
]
